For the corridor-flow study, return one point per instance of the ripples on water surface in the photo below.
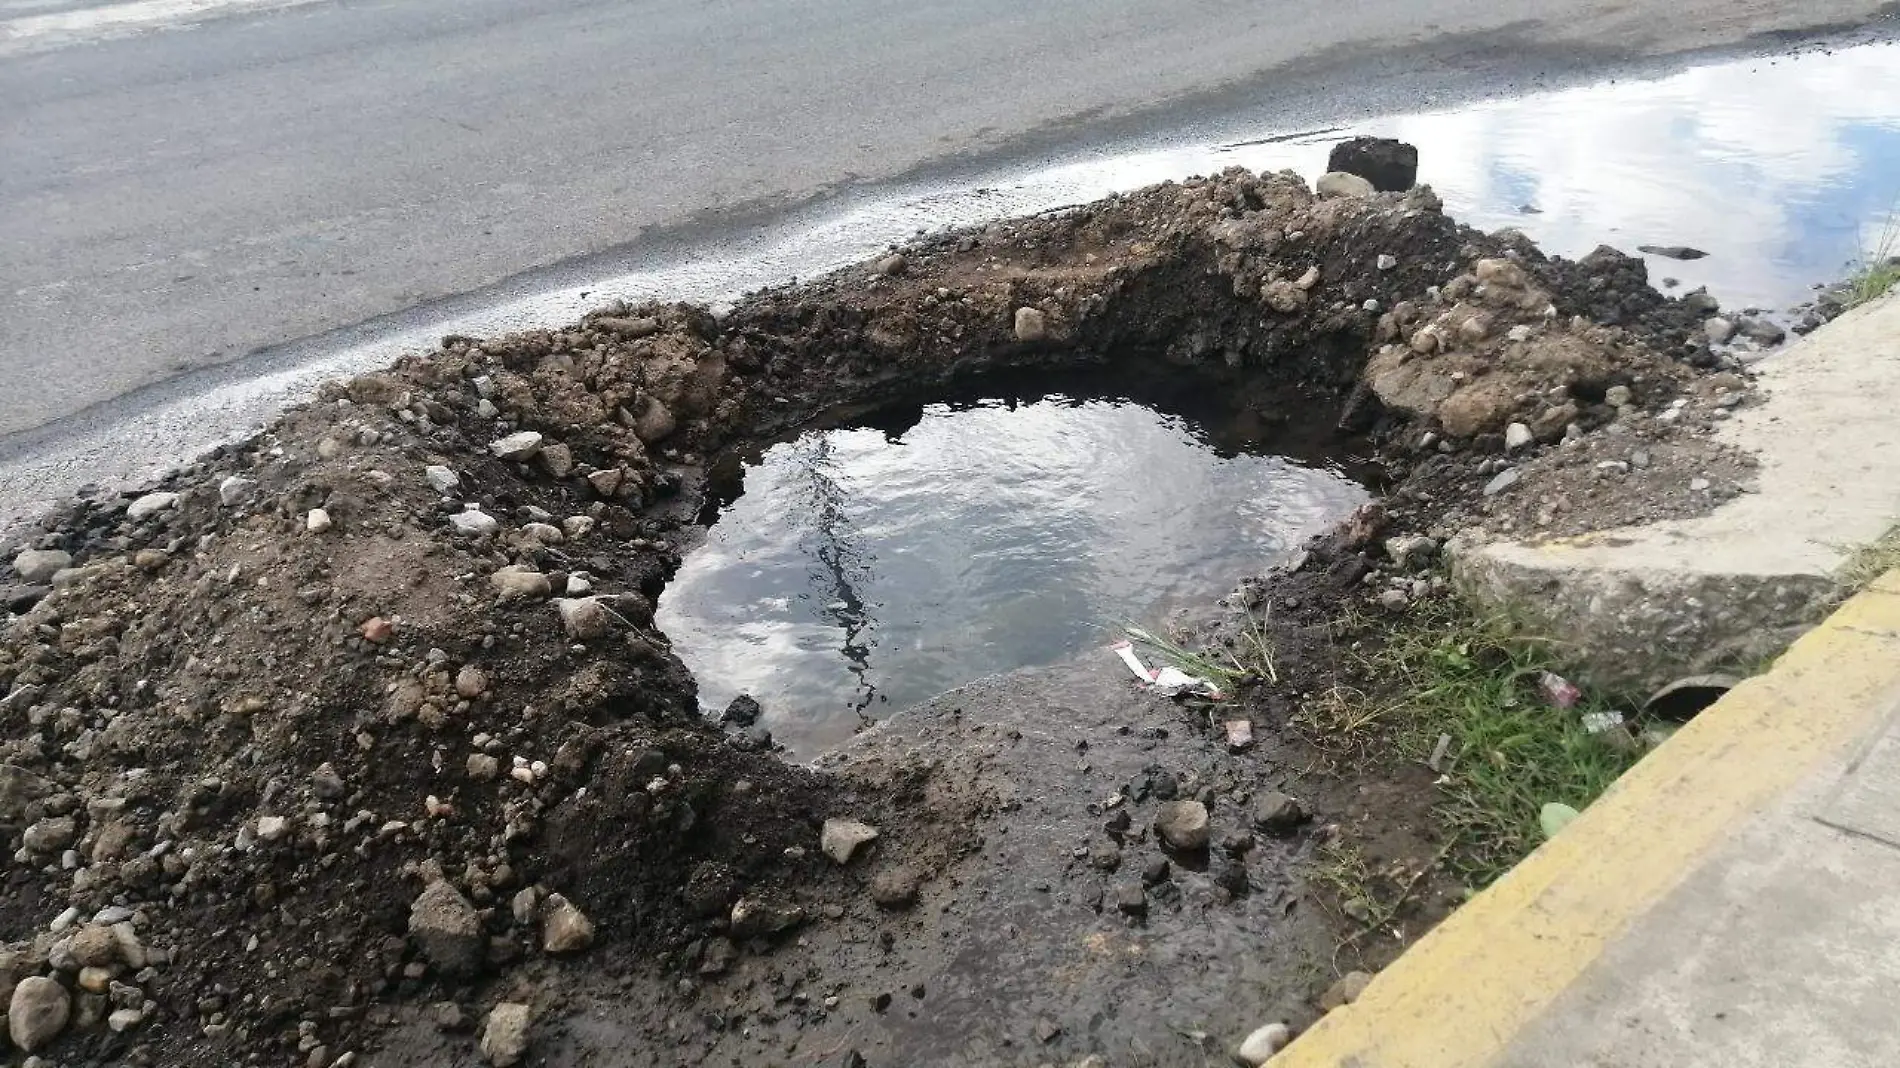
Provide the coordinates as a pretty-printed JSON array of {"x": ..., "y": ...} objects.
[{"x": 863, "y": 570}]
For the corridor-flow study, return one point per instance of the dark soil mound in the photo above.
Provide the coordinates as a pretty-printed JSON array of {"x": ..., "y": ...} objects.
[{"x": 353, "y": 717}]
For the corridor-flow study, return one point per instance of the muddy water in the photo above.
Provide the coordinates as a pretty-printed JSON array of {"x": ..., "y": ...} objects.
[{"x": 865, "y": 569}]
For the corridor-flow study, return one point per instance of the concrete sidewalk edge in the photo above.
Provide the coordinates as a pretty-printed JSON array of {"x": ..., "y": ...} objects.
[{"x": 1458, "y": 997}]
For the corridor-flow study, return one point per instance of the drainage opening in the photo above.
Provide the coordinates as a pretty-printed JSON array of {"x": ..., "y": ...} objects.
[{"x": 876, "y": 560}]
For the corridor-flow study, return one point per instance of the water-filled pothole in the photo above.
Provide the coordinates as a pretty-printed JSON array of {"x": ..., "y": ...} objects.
[{"x": 870, "y": 566}]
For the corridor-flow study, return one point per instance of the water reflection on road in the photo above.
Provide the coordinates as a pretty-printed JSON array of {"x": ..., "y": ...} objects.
[{"x": 1781, "y": 169}]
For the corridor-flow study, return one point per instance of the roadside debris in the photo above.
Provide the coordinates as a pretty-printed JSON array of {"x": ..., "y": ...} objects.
[
  {"x": 1169, "y": 681},
  {"x": 1554, "y": 817},
  {"x": 1559, "y": 691}
]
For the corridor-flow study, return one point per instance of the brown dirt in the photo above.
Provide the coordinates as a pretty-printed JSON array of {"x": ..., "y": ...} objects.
[{"x": 260, "y": 743}]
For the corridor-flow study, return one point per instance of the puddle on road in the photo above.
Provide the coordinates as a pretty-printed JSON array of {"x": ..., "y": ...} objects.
[
  {"x": 1780, "y": 168},
  {"x": 869, "y": 568}
]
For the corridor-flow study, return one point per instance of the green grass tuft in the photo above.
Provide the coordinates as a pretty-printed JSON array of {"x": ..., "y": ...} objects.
[
  {"x": 1878, "y": 268},
  {"x": 1448, "y": 673}
]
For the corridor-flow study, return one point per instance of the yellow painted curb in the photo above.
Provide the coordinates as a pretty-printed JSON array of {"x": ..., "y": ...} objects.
[{"x": 1459, "y": 996}]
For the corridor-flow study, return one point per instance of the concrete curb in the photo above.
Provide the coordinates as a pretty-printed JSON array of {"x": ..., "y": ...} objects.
[
  {"x": 1640, "y": 606},
  {"x": 1464, "y": 993}
]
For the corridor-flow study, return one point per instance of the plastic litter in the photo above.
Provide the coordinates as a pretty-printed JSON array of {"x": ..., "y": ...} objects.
[
  {"x": 1169, "y": 681},
  {"x": 1602, "y": 722},
  {"x": 1558, "y": 690},
  {"x": 1554, "y": 817}
]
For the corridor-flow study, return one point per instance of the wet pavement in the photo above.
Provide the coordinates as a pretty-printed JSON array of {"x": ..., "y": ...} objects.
[
  {"x": 867, "y": 569},
  {"x": 1781, "y": 168}
]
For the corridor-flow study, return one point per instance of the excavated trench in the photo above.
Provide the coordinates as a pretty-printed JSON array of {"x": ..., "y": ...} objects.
[{"x": 339, "y": 712}]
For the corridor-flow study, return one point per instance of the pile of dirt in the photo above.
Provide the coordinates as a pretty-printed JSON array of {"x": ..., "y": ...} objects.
[{"x": 368, "y": 715}]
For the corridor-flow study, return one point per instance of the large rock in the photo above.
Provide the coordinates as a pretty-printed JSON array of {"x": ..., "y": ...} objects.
[
  {"x": 645, "y": 326},
  {"x": 1391, "y": 166},
  {"x": 505, "y": 1035},
  {"x": 1182, "y": 824},
  {"x": 1345, "y": 991},
  {"x": 37, "y": 1012},
  {"x": 38, "y": 566},
  {"x": 447, "y": 929}
]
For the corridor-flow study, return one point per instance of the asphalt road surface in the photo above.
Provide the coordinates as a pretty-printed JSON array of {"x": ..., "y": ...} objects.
[{"x": 185, "y": 183}]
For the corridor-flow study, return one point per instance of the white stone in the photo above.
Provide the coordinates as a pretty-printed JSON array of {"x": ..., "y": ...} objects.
[
  {"x": 505, "y": 1035},
  {"x": 124, "y": 1020},
  {"x": 564, "y": 927},
  {"x": 272, "y": 828},
  {"x": 1260, "y": 1046},
  {"x": 519, "y": 446},
  {"x": 39, "y": 565},
  {"x": 583, "y": 617},
  {"x": 317, "y": 521},
  {"x": 441, "y": 479},
  {"x": 237, "y": 491},
  {"x": 1182, "y": 824},
  {"x": 1517, "y": 436},
  {"x": 515, "y": 582},
  {"x": 1031, "y": 324},
  {"x": 841, "y": 838},
  {"x": 37, "y": 1012},
  {"x": 474, "y": 523},
  {"x": 1334, "y": 184},
  {"x": 150, "y": 505}
]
